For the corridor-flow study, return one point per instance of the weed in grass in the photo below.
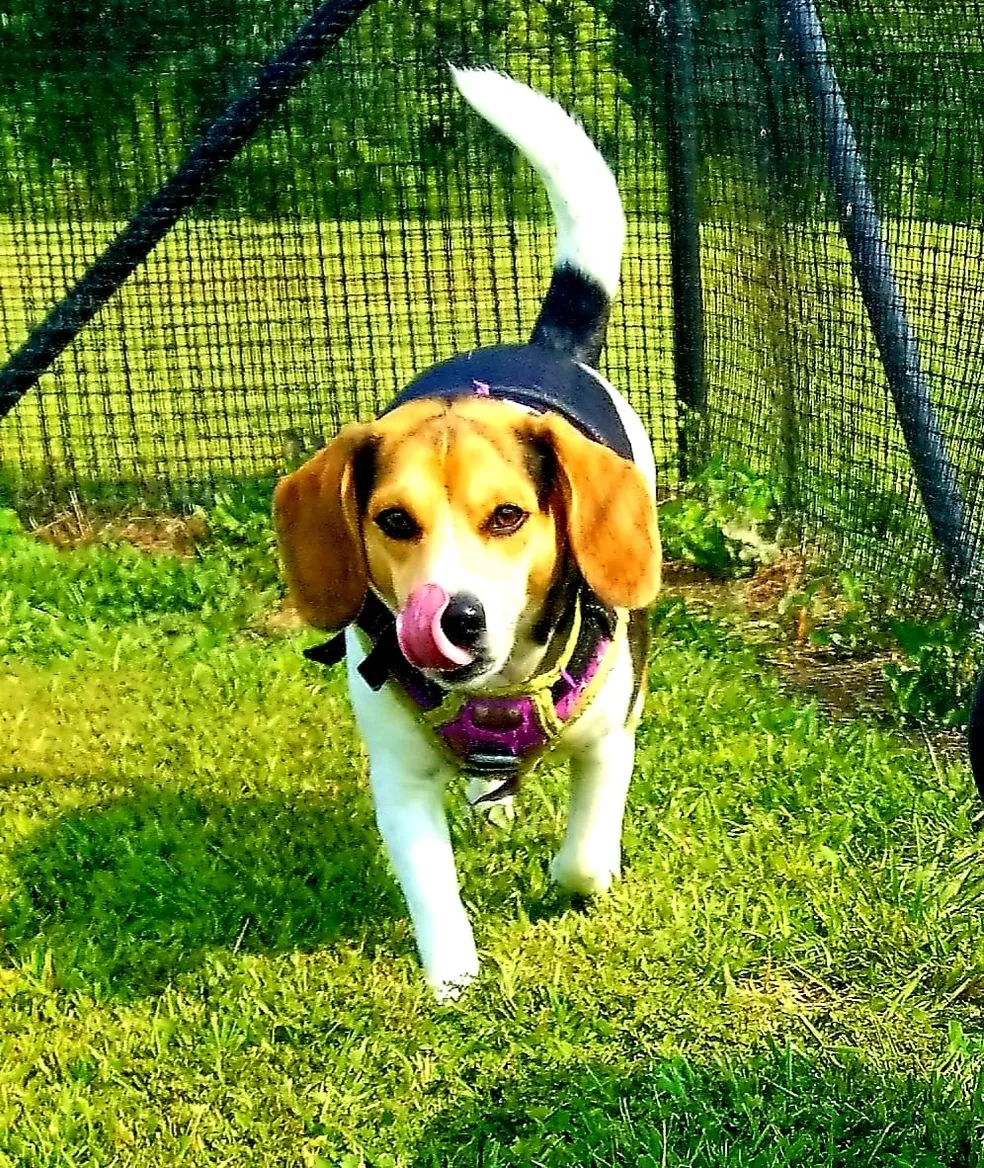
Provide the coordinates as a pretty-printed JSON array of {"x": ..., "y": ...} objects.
[
  {"x": 934, "y": 682},
  {"x": 725, "y": 520},
  {"x": 841, "y": 614}
]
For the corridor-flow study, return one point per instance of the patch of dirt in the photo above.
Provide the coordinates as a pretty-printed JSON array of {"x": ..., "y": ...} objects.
[
  {"x": 844, "y": 686},
  {"x": 175, "y": 535},
  {"x": 694, "y": 585},
  {"x": 841, "y": 684},
  {"x": 766, "y": 588},
  {"x": 753, "y": 595}
]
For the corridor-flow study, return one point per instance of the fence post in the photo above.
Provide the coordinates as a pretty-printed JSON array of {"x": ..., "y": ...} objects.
[
  {"x": 935, "y": 473},
  {"x": 779, "y": 359},
  {"x": 681, "y": 166}
]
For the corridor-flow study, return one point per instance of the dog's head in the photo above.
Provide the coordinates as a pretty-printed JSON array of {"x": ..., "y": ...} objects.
[{"x": 460, "y": 516}]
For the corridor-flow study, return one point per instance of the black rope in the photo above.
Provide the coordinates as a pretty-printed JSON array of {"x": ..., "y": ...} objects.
[
  {"x": 684, "y": 221},
  {"x": 216, "y": 148},
  {"x": 975, "y": 737},
  {"x": 933, "y": 467}
]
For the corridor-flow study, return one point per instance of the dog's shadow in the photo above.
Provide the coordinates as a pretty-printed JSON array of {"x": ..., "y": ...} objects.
[{"x": 127, "y": 894}]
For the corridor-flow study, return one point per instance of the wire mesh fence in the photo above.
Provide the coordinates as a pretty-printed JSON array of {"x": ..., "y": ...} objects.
[
  {"x": 374, "y": 226},
  {"x": 794, "y": 368}
]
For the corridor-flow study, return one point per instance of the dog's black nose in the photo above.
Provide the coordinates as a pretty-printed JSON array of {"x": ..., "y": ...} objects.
[{"x": 463, "y": 621}]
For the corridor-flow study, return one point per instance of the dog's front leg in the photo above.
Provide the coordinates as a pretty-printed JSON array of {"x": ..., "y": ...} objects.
[
  {"x": 411, "y": 818},
  {"x": 407, "y": 775},
  {"x": 590, "y": 856}
]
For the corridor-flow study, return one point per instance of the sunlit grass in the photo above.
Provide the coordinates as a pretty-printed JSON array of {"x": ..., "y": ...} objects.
[{"x": 204, "y": 959}]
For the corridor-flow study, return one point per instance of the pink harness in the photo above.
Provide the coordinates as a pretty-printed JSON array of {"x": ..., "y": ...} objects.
[{"x": 498, "y": 734}]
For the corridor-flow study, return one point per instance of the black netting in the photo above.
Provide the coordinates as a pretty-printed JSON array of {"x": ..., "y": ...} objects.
[
  {"x": 374, "y": 226},
  {"x": 795, "y": 378}
]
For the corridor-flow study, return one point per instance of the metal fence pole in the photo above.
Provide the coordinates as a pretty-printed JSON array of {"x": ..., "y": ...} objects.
[
  {"x": 681, "y": 165},
  {"x": 935, "y": 473},
  {"x": 211, "y": 154},
  {"x": 778, "y": 280}
]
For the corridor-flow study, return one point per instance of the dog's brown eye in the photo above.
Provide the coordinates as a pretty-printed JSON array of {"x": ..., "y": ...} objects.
[
  {"x": 397, "y": 523},
  {"x": 505, "y": 519}
]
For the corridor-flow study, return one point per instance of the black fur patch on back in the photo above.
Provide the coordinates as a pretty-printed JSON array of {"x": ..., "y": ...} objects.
[{"x": 574, "y": 316}]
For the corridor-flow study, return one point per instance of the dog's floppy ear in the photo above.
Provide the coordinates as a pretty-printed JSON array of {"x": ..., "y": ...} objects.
[
  {"x": 610, "y": 515},
  {"x": 316, "y": 514}
]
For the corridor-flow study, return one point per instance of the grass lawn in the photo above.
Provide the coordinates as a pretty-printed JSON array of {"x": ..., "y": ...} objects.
[{"x": 204, "y": 960}]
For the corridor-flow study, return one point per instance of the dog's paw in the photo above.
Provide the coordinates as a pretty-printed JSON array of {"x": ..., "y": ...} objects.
[
  {"x": 575, "y": 874},
  {"x": 500, "y": 812},
  {"x": 448, "y": 983},
  {"x": 451, "y": 991}
]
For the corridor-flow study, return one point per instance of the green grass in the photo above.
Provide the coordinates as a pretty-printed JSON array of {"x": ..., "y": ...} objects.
[{"x": 204, "y": 959}]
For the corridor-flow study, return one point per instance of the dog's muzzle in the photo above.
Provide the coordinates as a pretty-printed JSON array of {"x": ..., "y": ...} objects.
[{"x": 438, "y": 631}]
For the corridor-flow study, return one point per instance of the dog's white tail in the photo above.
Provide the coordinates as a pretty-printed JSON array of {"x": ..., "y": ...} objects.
[{"x": 585, "y": 202}]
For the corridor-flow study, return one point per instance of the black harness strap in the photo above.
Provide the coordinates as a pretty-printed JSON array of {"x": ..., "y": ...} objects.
[
  {"x": 384, "y": 659},
  {"x": 328, "y": 653}
]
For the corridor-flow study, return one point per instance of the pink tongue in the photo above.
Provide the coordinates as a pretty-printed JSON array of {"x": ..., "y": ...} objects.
[{"x": 418, "y": 629}]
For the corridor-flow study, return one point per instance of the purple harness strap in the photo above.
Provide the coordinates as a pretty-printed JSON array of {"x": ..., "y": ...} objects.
[{"x": 491, "y": 734}]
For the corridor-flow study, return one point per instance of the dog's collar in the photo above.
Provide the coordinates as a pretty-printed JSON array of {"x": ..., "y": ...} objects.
[{"x": 498, "y": 733}]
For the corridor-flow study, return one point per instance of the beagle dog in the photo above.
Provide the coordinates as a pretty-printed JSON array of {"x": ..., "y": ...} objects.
[{"x": 488, "y": 548}]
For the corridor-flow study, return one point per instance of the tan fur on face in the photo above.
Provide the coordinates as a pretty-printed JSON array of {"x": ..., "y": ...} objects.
[{"x": 449, "y": 467}]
